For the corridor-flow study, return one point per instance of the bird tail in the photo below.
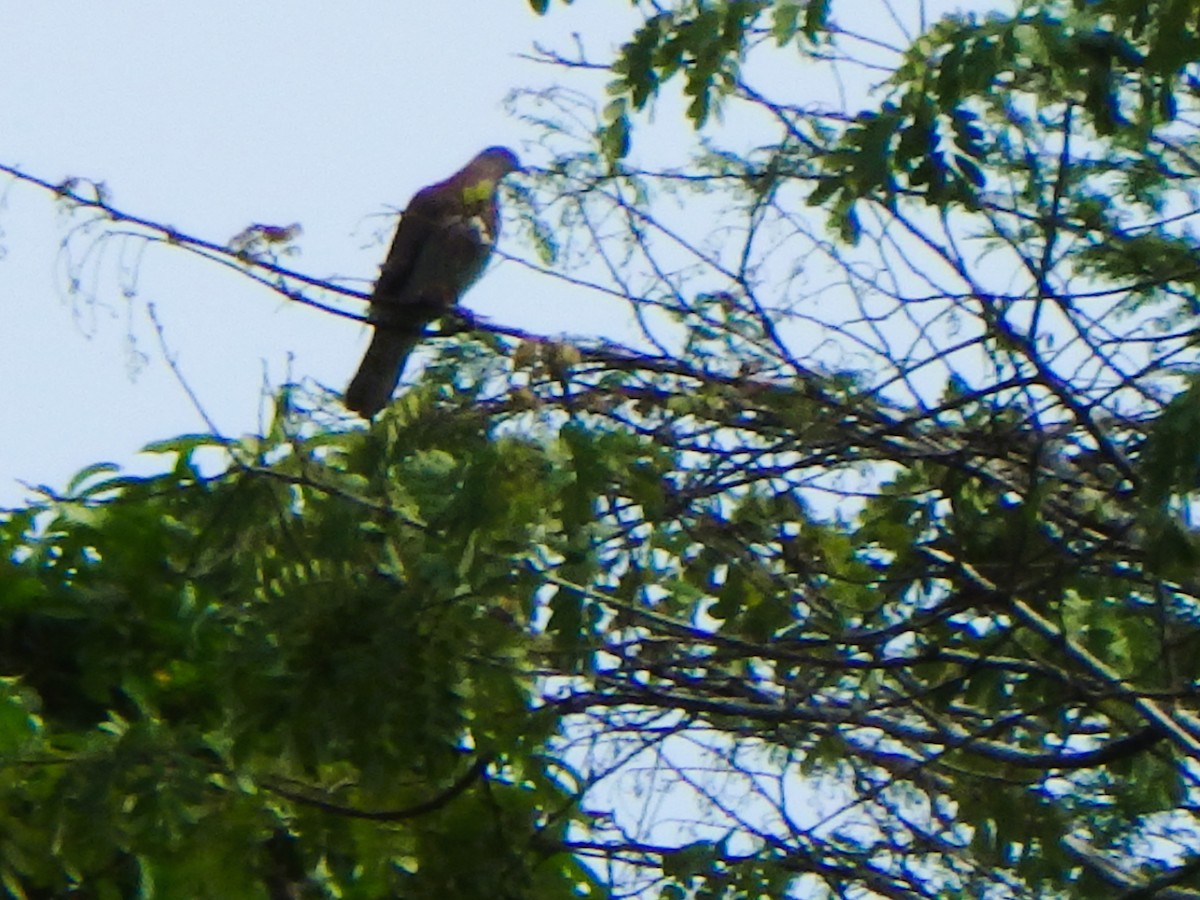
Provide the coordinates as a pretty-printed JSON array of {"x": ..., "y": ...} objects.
[{"x": 379, "y": 372}]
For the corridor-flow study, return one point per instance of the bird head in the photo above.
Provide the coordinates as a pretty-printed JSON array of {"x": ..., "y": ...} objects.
[
  {"x": 478, "y": 181},
  {"x": 496, "y": 162}
]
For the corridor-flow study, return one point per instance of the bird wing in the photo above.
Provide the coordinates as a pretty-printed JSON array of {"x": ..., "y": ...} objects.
[
  {"x": 419, "y": 227},
  {"x": 440, "y": 248}
]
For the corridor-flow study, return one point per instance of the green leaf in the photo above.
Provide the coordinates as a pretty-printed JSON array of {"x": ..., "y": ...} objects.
[
  {"x": 19, "y": 726},
  {"x": 816, "y": 16},
  {"x": 87, "y": 474},
  {"x": 785, "y": 22},
  {"x": 614, "y": 138}
]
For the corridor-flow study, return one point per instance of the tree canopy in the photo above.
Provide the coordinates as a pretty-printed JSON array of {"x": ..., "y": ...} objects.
[{"x": 863, "y": 567}]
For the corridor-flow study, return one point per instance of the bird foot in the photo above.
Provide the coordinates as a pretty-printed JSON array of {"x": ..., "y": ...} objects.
[{"x": 456, "y": 321}]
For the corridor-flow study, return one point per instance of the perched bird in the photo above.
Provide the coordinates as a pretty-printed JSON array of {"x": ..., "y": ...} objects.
[{"x": 441, "y": 247}]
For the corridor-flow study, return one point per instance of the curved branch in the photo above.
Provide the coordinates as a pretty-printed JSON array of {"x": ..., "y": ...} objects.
[{"x": 433, "y": 804}]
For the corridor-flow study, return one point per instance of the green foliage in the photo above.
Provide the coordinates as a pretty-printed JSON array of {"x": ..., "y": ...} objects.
[
  {"x": 703, "y": 43},
  {"x": 1171, "y": 456},
  {"x": 265, "y": 655},
  {"x": 869, "y": 571}
]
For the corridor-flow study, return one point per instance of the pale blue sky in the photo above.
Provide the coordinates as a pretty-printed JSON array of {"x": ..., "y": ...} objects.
[
  {"x": 214, "y": 116},
  {"x": 210, "y": 117}
]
